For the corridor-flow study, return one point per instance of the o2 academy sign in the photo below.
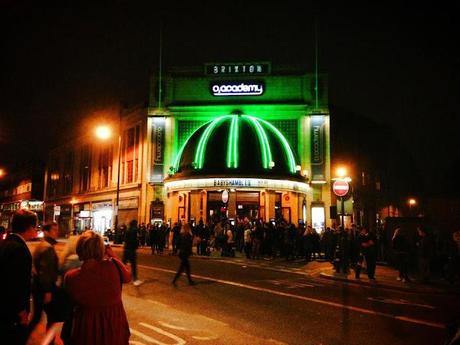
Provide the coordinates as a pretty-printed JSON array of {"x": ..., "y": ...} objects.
[{"x": 237, "y": 88}]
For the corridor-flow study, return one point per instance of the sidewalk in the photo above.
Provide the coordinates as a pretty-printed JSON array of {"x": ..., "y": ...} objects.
[{"x": 386, "y": 277}]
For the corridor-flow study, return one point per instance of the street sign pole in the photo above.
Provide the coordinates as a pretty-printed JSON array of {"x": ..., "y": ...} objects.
[{"x": 342, "y": 207}]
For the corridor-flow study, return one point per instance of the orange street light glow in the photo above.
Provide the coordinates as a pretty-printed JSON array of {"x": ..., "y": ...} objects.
[
  {"x": 412, "y": 202},
  {"x": 341, "y": 172},
  {"x": 103, "y": 132}
]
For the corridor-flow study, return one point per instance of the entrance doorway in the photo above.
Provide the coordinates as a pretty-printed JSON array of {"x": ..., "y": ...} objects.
[{"x": 247, "y": 204}]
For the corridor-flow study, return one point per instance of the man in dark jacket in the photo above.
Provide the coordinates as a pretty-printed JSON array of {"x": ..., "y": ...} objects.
[
  {"x": 46, "y": 270},
  {"x": 16, "y": 271},
  {"x": 130, "y": 248}
]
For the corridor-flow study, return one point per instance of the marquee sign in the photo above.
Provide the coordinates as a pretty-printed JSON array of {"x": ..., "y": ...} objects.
[
  {"x": 246, "y": 183},
  {"x": 237, "y": 88},
  {"x": 238, "y": 68}
]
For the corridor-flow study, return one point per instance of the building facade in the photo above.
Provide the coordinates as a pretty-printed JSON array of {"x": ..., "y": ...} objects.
[{"x": 227, "y": 140}]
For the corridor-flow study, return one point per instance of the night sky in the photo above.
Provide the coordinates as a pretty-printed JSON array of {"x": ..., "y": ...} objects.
[{"x": 394, "y": 66}]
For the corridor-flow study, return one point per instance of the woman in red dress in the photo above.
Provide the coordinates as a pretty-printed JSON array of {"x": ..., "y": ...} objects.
[{"x": 99, "y": 317}]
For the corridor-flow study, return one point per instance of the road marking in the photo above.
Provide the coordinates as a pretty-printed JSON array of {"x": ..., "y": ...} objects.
[
  {"x": 308, "y": 299},
  {"x": 399, "y": 301},
  {"x": 179, "y": 328},
  {"x": 179, "y": 341},
  {"x": 203, "y": 338},
  {"x": 146, "y": 337}
]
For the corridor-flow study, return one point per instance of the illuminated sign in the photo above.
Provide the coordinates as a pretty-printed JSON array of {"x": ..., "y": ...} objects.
[
  {"x": 239, "y": 68},
  {"x": 284, "y": 185},
  {"x": 233, "y": 88},
  {"x": 158, "y": 141}
]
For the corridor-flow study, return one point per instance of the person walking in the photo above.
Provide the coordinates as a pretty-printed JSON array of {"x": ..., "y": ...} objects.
[
  {"x": 185, "y": 244},
  {"x": 401, "y": 248},
  {"x": 130, "y": 250},
  {"x": 46, "y": 272},
  {"x": 16, "y": 273},
  {"x": 425, "y": 247},
  {"x": 369, "y": 251},
  {"x": 95, "y": 288},
  {"x": 247, "y": 241}
]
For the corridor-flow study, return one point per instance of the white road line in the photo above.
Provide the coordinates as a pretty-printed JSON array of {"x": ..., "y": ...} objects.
[
  {"x": 179, "y": 341},
  {"x": 400, "y": 301},
  {"x": 203, "y": 338},
  {"x": 178, "y": 328},
  {"x": 146, "y": 337},
  {"x": 308, "y": 299}
]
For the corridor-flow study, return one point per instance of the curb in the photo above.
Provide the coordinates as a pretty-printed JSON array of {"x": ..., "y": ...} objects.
[{"x": 413, "y": 289}]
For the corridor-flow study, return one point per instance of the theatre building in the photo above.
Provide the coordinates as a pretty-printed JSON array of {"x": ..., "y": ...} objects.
[
  {"x": 241, "y": 140},
  {"x": 219, "y": 140}
]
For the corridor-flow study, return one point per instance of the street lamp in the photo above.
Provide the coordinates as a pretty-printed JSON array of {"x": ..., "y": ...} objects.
[
  {"x": 411, "y": 202},
  {"x": 2, "y": 173},
  {"x": 104, "y": 133}
]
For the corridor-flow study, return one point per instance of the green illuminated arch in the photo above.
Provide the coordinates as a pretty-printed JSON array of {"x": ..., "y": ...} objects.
[
  {"x": 263, "y": 141},
  {"x": 232, "y": 146},
  {"x": 203, "y": 142},
  {"x": 232, "y": 161},
  {"x": 287, "y": 148}
]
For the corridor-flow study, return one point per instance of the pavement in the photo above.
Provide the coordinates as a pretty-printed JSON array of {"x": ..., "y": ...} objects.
[{"x": 239, "y": 301}]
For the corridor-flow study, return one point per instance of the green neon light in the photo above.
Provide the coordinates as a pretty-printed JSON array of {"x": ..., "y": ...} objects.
[
  {"x": 181, "y": 150},
  {"x": 263, "y": 140},
  {"x": 232, "y": 147},
  {"x": 201, "y": 149},
  {"x": 287, "y": 148}
]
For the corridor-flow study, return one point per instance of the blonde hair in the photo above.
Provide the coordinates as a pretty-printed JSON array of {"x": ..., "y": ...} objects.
[
  {"x": 90, "y": 246},
  {"x": 186, "y": 229}
]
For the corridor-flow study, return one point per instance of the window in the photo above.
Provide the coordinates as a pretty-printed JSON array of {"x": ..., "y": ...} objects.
[
  {"x": 105, "y": 167},
  {"x": 130, "y": 162},
  {"x": 68, "y": 172},
  {"x": 85, "y": 168}
]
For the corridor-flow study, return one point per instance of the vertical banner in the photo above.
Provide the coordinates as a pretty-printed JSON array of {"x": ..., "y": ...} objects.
[
  {"x": 158, "y": 149},
  {"x": 317, "y": 147}
]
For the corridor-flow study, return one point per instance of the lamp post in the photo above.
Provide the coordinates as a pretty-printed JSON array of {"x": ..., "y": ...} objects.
[{"x": 104, "y": 133}]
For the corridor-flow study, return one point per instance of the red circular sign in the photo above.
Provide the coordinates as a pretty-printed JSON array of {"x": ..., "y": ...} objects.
[{"x": 340, "y": 188}]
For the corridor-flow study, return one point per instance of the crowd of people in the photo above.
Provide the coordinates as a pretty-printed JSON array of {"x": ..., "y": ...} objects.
[
  {"x": 353, "y": 248},
  {"x": 80, "y": 290}
]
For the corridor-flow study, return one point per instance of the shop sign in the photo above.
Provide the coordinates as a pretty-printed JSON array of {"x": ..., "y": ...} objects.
[
  {"x": 101, "y": 205},
  {"x": 84, "y": 214},
  {"x": 237, "y": 88},
  {"x": 239, "y": 68},
  {"x": 158, "y": 144},
  {"x": 128, "y": 203},
  {"x": 57, "y": 210}
]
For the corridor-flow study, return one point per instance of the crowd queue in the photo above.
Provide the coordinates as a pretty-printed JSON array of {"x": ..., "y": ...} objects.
[
  {"x": 354, "y": 248},
  {"x": 80, "y": 290}
]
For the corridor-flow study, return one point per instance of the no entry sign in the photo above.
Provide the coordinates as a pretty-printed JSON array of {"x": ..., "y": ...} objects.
[{"x": 340, "y": 188}]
